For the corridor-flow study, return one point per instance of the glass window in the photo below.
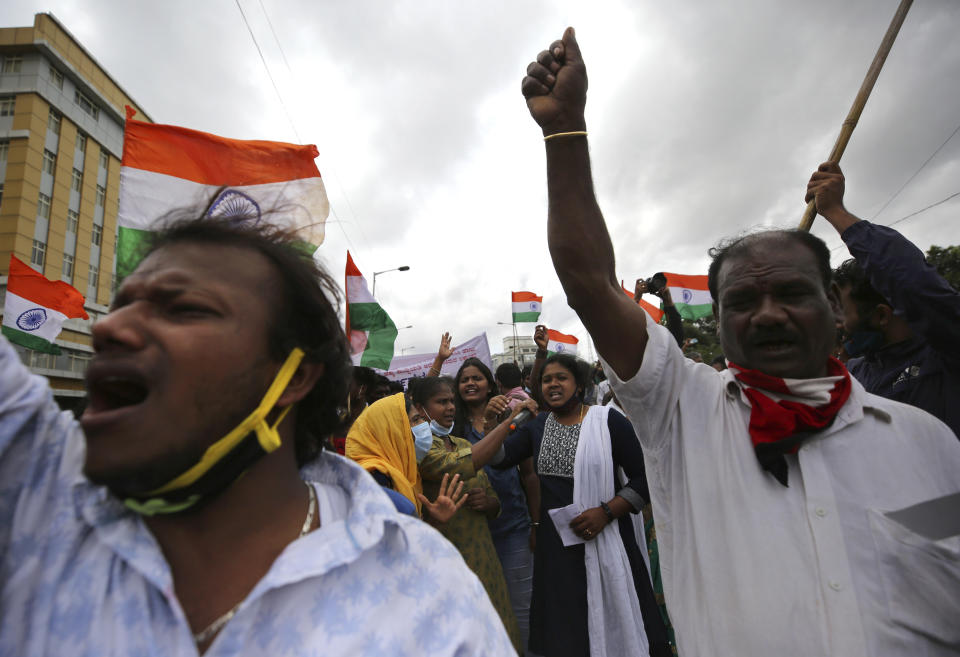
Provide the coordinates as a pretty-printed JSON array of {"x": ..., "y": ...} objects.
[
  {"x": 86, "y": 104},
  {"x": 12, "y": 63},
  {"x": 96, "y": 235},
  {"x": 49, "y": 161},
  {"x": 67, "y": 268},
  {"x": 43, "y": 206},
  {"x": 101, "y": 195},
  {"x": 93, "y": 276},
  {"x": 56, "y": 77},
  {"x": 6, "y": 105},
  {"x": 78, "y": 361},
  {"x": 104, "y": 159},
  {"x": 81, "y": 142},
  {"x": 4, "y": 150},
  {"x": 42, "y": 360},
  {"x": 53, "y": 122},
  {"x": 76, "y": 180},
  {"x": 72, "y": 220},
  {"x": 38, "y": 254}
]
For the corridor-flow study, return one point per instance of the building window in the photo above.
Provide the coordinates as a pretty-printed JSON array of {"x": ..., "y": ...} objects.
[
  {"x": 76, "y": 180},
  {"x": 38, "y": 253},
  {"x": 73, "y": 219},
  {"x": 49, "y": 161},
  {"x": 43, "y": 206},
  {"x": 12, "y": 63},
  {"x": 42, "y": 360},
  {"x": 101, "y": 195},
  {"x": 104, "y": 160},
  {"x": 4, "y": 150},
  {"x": 78, "y": 361},
  {"x": 86, "y": 104},
  {"x": 57, "y": 78},
  {"x": 81, "y": 142},
  {"x": 53, "y": 122},
  {"x": 96, "y": 235},
  {"x": 1, "y": 192},
  {"x": 93, "y": 277},
  {"x": 67, "y": 268},
  {"x": 7, "y": 104}
]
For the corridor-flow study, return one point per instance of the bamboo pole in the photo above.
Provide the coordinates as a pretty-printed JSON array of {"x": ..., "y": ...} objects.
[{"x": 846, "y": 130}]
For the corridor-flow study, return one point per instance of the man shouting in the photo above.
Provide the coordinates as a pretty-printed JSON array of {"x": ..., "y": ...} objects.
[{"x": 785, "y": 496}]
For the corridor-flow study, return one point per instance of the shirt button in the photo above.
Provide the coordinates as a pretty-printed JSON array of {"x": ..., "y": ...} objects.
[
  {"x": 821, "y": 512},
  {"x": 835, "y": 585}
]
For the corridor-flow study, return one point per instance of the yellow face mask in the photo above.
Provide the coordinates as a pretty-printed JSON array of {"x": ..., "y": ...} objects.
[{"x": 228, "y": 458}]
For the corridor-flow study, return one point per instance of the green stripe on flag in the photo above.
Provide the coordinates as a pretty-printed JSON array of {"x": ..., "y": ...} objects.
[
  {"x": 30, "y": 341},
  {"x": 526, "y": 317},
  {"x": 694, "y": 312},
  {"x": 381, "y": 336},
  {"x": 131, "y": 245}
]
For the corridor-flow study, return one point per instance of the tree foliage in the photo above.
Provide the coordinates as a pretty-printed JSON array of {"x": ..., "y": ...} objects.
[{"x": 946, "y": 259}]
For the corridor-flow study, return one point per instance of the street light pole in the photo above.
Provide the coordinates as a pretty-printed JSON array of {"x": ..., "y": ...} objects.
[
  {"x": 515, "y": 340},
  {"x": 373, "y": 292}
]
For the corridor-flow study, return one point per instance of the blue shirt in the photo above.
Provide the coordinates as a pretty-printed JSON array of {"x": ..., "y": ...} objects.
[
  {"x": 82, "y": 575},
  {"x": 923, "y": 371},
  {"x": 514, "y": 515}
]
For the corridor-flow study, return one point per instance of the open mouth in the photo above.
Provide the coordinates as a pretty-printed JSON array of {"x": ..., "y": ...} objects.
[
  {"x": 113, "y": 387},
  {"x": 555, "y": 395},
  {"x": 772, "y": 347}
]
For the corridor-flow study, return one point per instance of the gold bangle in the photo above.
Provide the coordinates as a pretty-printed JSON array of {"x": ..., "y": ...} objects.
[{"x": 575, "y": 133}]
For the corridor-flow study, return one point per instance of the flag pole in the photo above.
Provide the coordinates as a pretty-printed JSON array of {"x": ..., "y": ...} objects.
[{"x": 846, "y": 130}]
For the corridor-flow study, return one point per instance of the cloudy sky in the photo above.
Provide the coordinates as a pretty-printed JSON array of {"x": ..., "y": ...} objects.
[{"x": 705, "y": 119}]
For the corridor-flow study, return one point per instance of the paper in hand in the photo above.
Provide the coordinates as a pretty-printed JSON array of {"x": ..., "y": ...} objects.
[{"x": 561, "y": 519}]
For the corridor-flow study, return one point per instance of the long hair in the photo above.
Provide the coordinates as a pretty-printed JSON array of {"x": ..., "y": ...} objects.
[{"x": 460, "y": 421}]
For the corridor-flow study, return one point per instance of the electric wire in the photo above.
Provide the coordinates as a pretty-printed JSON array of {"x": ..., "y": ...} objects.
[{"x": 909, "y": 216}]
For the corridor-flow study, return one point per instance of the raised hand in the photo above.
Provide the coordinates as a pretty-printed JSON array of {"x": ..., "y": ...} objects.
[
  {"x": 639, "y": 289},
  {"x": 495, "y": 408},
  {"x": 449, "y": 499},
  {"x": 826, "y": 186},
  {"x": 556, "y": 86},
  {"x": 445, "y": 351},
  {"x": 540, "y": 337}
]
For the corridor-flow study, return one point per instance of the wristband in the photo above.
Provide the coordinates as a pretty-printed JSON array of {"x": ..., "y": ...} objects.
[{"x": 606, "y": 509}]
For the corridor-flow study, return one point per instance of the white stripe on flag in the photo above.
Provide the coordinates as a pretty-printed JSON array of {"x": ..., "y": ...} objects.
[
  {"x": 357, "y": 290},
  {"x": 690, "y": 296}
]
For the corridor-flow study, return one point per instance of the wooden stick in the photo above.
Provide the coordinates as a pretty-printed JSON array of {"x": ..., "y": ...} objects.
[{"x": 846, "y": 130}]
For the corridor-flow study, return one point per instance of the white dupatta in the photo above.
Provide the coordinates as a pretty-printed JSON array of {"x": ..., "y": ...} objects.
[{"x": 614, "y": 621}]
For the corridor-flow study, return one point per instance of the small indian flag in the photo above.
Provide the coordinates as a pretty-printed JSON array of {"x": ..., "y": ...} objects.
[
  {"x": 167, "y": 168},
  {"x": 651, "y": 309},
  {"x": 691, "y": 295},
  {"x": 526, "y": 306},
  {"x": 36, "y": 308},
  {"x": 371, "y": 332},
  {"x": 561, "y": 343}
]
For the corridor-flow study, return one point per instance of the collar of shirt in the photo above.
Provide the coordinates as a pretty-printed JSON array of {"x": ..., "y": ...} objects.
[{"x": 124, "y": 532}]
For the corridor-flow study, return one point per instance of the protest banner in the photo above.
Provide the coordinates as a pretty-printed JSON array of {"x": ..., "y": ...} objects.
[{"x": 404, "y": 368}]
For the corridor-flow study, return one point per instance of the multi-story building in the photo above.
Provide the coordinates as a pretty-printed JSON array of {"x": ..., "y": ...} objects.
[
  {"x": 521, "y": 350},
  {"x": 61, "y": 140}
]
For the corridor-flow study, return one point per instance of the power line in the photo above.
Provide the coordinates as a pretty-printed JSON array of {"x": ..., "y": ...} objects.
[
  {"x": 275, "y": 38},
  {"x": 910, "y": 179},
  {"x": 912, "y": 214}
]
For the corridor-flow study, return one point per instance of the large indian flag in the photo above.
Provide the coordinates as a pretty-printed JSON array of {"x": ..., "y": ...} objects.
[
  {"x": 371, "y": 332},
  {"x": 36, "y": 308},
  {"x": 690, "y": 295},
  {"x": 167, "y": 168},
  {"x": 526, "y": 306},
  {"x": 561, "y": 343}
]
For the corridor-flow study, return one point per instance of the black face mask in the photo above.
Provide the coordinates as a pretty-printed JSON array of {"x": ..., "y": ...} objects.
[{"x": 568, "y": 405}]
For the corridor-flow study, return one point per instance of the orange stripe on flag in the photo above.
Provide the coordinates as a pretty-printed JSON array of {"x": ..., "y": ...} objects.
[
  {"x": 34, "y": 286},
  {"x": 651, "y": 309},
  {"x": 557, "y": 336},
  {"x": 212, "y": 160},
  {"x": 525, "y": 296},
  {"x": 688, "y": 281}
]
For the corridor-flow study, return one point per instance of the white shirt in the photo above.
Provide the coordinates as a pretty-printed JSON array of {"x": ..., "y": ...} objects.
[
  {"x": 81, "y": 575},
  {"x": 752, "y": 568}
]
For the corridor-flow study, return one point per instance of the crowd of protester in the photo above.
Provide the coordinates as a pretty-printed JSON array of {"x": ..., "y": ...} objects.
[{"x": 772, "y": 501}]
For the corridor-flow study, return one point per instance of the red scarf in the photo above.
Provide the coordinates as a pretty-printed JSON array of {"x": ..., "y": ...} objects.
[{"x": 779, "y": 426}]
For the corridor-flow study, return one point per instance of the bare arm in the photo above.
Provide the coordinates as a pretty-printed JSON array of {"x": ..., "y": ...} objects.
[
  {"x": 443, "y": 353},
  {"x": 555, "y": 88},
  {"x": 485, "y": 449}
]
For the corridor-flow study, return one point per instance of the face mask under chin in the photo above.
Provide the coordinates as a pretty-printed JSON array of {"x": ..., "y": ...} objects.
[{"x": 227, "y": 459}]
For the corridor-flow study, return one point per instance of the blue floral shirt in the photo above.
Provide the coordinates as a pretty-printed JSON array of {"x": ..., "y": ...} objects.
[{"x": 81, "y": 575}]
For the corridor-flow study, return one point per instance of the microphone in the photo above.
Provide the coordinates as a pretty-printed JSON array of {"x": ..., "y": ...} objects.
[{"x": 521, "y": 417}]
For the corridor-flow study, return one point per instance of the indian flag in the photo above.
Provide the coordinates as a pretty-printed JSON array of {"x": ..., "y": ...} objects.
[
  {"x": 690, "y": 295},
  {"x": 370, "y": 330},
  {"x": 561, "y": 343},
  {"x": 166, "y": 168},
  {"x": 526, "y": 306},
  {"x": 36, "y": 308},
  {"x": 651, "y": 309}
]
